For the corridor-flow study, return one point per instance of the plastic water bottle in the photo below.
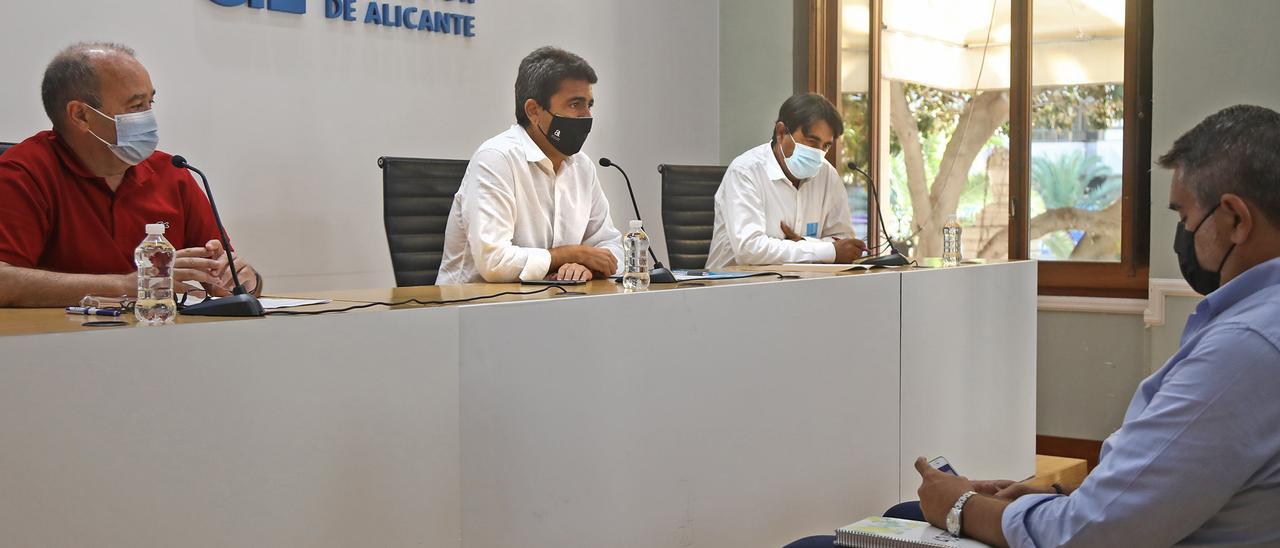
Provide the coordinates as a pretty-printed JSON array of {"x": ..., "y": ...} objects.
[
  {"x": 154, "y": 258},
  {"x": 951, "y": 242},
  {"x": 635, "y": 258}
]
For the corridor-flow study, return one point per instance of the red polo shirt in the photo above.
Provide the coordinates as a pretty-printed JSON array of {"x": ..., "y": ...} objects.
[{"x": 55, "y": 215}]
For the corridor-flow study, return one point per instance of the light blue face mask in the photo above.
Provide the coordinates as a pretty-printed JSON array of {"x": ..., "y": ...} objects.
[
  {"x": 137, "y": 136},
  {"x": 805, "y": 161}
]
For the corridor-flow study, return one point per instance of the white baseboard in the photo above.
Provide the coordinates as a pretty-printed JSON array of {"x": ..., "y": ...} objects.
[
  {"x": 1097, "y": 305},
  {"x": 1151, "y": 308}
]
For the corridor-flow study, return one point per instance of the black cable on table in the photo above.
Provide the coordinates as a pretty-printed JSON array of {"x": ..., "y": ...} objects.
[{"x": 412, "y": 301}]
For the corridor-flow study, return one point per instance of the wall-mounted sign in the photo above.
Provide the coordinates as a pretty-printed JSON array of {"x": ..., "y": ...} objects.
[{"x": 384, "y": 14}]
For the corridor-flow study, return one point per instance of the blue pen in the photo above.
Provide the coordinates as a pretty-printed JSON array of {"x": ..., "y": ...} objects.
[{"x": 90, "y": 311}]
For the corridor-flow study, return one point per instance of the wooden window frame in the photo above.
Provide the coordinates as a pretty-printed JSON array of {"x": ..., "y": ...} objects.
[{"x": 1127, "y": 278}]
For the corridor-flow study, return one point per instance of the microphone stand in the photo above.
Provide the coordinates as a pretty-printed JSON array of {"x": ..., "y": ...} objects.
[
  {"x": 240, "y": 303},
  {"x": 659, "y": 274},
  {"x": 894, "y": 258}
]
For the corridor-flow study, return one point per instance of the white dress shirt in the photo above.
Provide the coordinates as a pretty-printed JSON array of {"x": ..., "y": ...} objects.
[
  {"x": 755, "y": 197},
  {"x": 512, "y": 208}
]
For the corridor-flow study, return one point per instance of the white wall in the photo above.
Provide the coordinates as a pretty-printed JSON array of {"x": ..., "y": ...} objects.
[
  {"x": 756, "y": 71},
  {"x": 288, "y": 114}
]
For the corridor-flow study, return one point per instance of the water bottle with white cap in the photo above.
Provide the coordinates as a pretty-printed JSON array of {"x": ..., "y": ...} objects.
[
  {"x": 635, "y": 258},
  {"x": 154, "y": 258}
]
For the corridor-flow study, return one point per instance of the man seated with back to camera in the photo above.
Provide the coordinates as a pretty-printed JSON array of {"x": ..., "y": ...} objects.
[
  {"x": 74, "y": 200},
  {"x": 1197, "y": 459}
]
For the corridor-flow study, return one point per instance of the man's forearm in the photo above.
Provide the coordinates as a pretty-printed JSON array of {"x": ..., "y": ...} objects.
[
  {"x": 983, "y": 519},
  {"x": 31, "y": 288},
  {"x": 565, "y": 254}
]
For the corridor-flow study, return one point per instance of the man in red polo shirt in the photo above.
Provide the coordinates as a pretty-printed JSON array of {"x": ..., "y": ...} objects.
[{"x": 74, "y": 200}]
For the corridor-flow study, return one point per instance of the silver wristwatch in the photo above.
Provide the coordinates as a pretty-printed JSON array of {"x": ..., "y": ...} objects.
[{"x": 953, "y": 517}]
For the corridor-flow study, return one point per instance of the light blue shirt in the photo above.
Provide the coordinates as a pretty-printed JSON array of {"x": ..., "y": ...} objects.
[{"x": 1197, "y": 460}]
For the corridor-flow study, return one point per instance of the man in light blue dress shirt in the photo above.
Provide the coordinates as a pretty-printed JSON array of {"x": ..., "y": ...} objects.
[{"x": 1197, "y": 459}]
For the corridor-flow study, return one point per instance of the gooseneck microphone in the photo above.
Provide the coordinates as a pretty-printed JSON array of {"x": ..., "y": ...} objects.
[
  {"x": 659, "y": 274},
  {"x": 240, "y": 303},
  {"x": 894, "y": 258}
]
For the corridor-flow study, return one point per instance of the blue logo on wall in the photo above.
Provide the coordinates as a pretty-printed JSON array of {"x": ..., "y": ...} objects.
[
  {"x": 289, "y": 6},
  {"x": 374, "y": 13}
]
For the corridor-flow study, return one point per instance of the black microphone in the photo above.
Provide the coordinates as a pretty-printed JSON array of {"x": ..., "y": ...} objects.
[
  {"x": 240, "y": 303},
  {"x": 892, "y": 259},
  {"x": 659, "y": 274}
]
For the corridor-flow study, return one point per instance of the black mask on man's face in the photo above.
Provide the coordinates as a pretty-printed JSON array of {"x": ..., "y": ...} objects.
[
  {"x": 567, "y": 134},
  {"x": 1201, "y": 280}
]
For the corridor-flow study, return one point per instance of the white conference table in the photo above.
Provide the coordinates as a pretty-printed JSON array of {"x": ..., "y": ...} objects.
[{"x": 743, "y": 413}]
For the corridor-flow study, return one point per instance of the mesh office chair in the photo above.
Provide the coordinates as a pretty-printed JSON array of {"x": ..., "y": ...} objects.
[
  {"x": 4, "y": 147},
  {"x": 417, "y": 194},
  {"x": 689, "y": 212}
]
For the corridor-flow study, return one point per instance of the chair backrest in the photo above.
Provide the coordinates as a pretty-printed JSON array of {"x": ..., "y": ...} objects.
[
  {"x": 417, "y": 194},
  {"x": 4, "y": 147},
  {"x": 689, "y": 212}
]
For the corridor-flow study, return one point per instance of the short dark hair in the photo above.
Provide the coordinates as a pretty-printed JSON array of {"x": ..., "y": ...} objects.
[
  {"x": 72, "y": 76},
  {"x": 804, "y": 109},
  {"x": 541, "y": 73},
  {"x": 1234, "y": 151}
]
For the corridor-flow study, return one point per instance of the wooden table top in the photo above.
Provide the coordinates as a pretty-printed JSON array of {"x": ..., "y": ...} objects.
[
  {"x": 431, "y": 293},
  {"x": 28, "y": 321}
]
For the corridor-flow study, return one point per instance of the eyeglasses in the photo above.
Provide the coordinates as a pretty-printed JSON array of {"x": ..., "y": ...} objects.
[
  {"x": 125, "y": 303},
  {"x": 122, "y": 302}
]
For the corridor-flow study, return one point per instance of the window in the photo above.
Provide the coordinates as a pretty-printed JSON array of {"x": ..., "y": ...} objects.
[
  {"x": 855, "y": 106},
  {"x": 1021, "y": 118}
]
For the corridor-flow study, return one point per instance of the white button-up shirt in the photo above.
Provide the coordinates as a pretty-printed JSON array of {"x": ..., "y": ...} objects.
[
  {"x": 755, "y": 197},
  {"x": 512, "y": 208}
]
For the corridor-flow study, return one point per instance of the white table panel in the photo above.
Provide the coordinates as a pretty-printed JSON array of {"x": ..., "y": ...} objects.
[
  {"x": 724, "y": 416},
  {"x": 320, "y": 432},
  {"x": 969, "y": 370}
]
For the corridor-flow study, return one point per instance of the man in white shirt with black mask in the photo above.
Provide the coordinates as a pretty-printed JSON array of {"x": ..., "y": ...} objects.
[
  {"x": 530, "y": 206},
  {"x": 782, "y": 202}
]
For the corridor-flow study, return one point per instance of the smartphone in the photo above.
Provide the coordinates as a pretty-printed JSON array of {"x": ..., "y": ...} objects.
[
  {"x": 553, "y": 282},
  {"x": 941, "y": 464}
]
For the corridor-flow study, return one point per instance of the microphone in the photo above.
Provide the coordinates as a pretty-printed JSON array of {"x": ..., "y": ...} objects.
[
  {"x": 659, "y": 274},
  {"x": 240, "y": 303},
  {"x": 894, "y": 258}
]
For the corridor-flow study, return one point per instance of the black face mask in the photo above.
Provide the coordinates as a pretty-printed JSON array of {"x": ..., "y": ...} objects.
[
  {"x": 567, "y": 134},
  {"x": 1202, "y": 281}
]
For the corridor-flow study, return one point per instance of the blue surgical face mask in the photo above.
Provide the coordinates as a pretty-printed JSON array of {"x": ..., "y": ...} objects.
[
  {"x": 805, "y": 161},
  {"x": 137, "y": 136}
]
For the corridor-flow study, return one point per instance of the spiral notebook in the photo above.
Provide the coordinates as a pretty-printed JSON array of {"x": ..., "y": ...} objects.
[{"x": 898, "y": 533}]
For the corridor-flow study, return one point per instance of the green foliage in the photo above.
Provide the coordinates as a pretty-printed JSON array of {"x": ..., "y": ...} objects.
[
  {"x": 1100, "y": 105},
  {"x": 1074, "y": 180},
  {"x": 855, "y": 142},
  {"x": 1071, "y": 180}
]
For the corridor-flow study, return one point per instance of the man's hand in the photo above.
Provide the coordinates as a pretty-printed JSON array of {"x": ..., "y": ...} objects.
[
  {"x": 225, "y": 283},
  {"x": 991, "y": 487},
  {"x": 789, "y": 234},
  {"x": 938, "y": 492},
  {"x": 596, "y": 259},
  {"x": 982, "y": 515},
  {"x": 849, "y": 249},
  {"x": 1011, "y": 492},
  {"x": 196, "y": 264},
  {"x": 572, "y": 272}
]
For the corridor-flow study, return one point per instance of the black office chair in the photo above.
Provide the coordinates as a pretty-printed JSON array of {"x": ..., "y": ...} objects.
[
  {"x": 417, "y": 194},
  {"x": 4, "y": 147},
  {"x": 689, "y": 212}
]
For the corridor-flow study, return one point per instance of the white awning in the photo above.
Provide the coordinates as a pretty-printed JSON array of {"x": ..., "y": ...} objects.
[{"x": 941, "y": 43}]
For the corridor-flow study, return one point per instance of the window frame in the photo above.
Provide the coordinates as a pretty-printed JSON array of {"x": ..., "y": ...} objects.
[{"x": 1127, "y": 278}]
